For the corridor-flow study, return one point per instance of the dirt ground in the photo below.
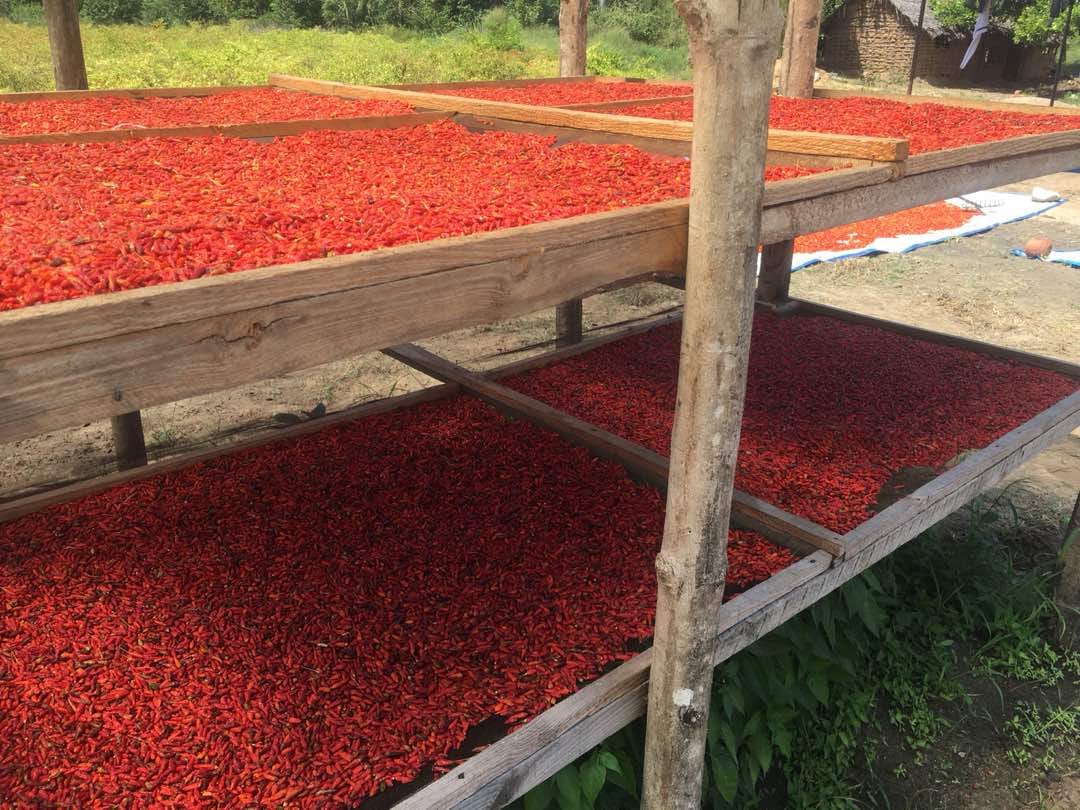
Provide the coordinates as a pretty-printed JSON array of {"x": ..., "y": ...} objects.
[{"x": 970, "y": 287}]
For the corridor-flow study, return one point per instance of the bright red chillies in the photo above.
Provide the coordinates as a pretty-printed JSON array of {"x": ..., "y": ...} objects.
[
  {"x": 240, "y": 107},
  {"x": 833, "y": 409},
  {"x": 317, "y": 619},
  {"x": 557, "y": 94},
  {"x": 934, "y": 217},
  {"x": 82, "y": 219},
  {"x": 928, "y": 127}
]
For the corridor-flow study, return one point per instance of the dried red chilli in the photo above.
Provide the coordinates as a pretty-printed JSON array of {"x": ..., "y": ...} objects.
[
  {"x": 82, "y": 219},
  {"x": 833, "y": 409},
  {"x": 240, "y": 107},
  {"x": 556, "y": 94},
  {"x": 927, "y": 127},
  {"x": 924, "y": 219},
  {"x": 308, "y": 622}
]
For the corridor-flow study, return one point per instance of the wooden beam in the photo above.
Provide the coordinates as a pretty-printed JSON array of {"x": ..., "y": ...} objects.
[
  {"x": 43, "y": 495},
  {"x": 65, "y": 44},
  {"x": 644, "y": 464},
  {"x": 129, "y": 443},
  {"x": 126, "y": 92},
  {"x": 608, "y": 106},
  {"x": 814, "y": 143},
  {"x": 262, "y": 130},
  {"x": 265, "y": 129},
  {"x": 568, "y": 322},
  {"x": 994, "y": 150},
  {"x": 426, "y": 87},
  {"x": 804, "y": 307},
  {"x": 573, "y": 18},
  {"x": 774, "y": 279}
]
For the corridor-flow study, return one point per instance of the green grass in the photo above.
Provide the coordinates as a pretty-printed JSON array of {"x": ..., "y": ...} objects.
[{"x": 245, "y": 53}]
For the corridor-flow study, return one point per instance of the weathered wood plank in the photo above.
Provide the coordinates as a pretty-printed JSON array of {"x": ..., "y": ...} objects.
[
  {"x": 266, "y": 129},
  {"x": 42, "y": 496},
  {"x": 994, "y": 150},
  {"x": 748, "y": 512},
  {"x": 882, "y": 149},
  {"x": 805, "y": 307},
  {"x": 127, "y": 92},
  {"x": 607, "y": 106}
]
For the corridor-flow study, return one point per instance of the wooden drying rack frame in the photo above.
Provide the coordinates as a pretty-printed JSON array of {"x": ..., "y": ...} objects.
[{"x": 108, "y": 356}]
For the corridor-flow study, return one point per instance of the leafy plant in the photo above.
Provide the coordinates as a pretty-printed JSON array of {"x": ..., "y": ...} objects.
[{"x": 111, "y": 11}]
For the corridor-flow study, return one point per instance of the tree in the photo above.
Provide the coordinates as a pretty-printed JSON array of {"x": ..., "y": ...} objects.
[{"x": 65, "y": 44}]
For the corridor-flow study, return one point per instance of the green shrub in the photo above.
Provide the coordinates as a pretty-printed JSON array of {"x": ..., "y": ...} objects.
[
  {"x": 501, "y": 31},
  {"x": 107, "y": 12},
  {"x": 653, "y": 21},
  {"x": 240, "y": 9},
  {"x": 534, "y": 12},
  {"x": 178, "y": 12},
  {"x": 300, "y": 13}
]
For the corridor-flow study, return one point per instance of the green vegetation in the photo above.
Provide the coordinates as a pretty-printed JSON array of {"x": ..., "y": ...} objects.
[
  {"x": 889, "y": 663},
  {"x": 497, "y": 46}
]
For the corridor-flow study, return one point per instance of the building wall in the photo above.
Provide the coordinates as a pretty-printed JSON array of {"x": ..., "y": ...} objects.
[{"x": 870, "y": 38}]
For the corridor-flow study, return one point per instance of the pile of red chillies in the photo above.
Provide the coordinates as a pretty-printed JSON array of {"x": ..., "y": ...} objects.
[
  {"x": 923, "y": 219},
  {"x": 306, "y": 623},
  {"x": 82, "y": 219},
  {"x": 928, "y": 127},
  {"x": 237, "y": 107},
  {"x": 833, "y": 409}
]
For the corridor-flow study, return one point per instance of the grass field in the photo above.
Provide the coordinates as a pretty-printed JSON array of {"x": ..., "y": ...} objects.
[{"x": 243, "y": 53}]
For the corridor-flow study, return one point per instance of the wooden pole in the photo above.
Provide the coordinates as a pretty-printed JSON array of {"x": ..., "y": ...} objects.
[
  {"x": 1061, "y": 55},
  {"x": 799, "y": 60},
  {"x": 797, "y": 67},
  {"x": 1068, "y": 587},
  {"x": 915, "y": 46},
  {"x": 733, "y": 46},
  {"x": 573, "y": 17},
  {"x": 65, "y": 43},
  {"x": 129, "y": 443},
  {"x": 573, "y": 36}
]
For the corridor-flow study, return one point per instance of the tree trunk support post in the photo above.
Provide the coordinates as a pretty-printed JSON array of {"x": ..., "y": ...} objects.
[
  {"x": 797, "y": 65},
  {"x": 65, "y": 44},
  {"x": 573, "y": 18},
  {"x": 128, "y": 440},
  {"x": 733, "y": 46},
  {"x": 1068, "y": 587}
]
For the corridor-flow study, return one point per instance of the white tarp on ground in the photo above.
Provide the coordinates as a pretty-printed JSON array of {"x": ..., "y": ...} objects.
[
  {"x": 1069, "y": 257},
  {"x": 997, "y": 208}
]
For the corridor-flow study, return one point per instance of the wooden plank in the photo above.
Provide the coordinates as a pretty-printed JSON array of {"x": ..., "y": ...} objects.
[
  {"x": 882, "y": 149},
  {"x": 831, "y": 209},
  {"x": 645, "y": 464},
  {"x": 512, "y": 766},
  {"x": 128, "y": 440},
  {"x": 977, "y": 472},
  {"x": 127, "y": 92},
  {"x": 266, "y": 129},
  {"x": 804, "y": 307},
  {"x": 994, "y": 150},
  {"x": 607, "y": 106},
  {"x": 970, "y": 103},
  {"x": 425, "y": 87},
  {"x": 23, "y": 503}
]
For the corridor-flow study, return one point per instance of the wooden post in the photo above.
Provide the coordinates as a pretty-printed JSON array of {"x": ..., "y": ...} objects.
[
  {"x": 65, "y": 43},
  {"x": 129, "y": 443},
  {"x": 797, "y": 67},
  {"x": 799, "y": 60},
  {"x": 1068, "y": 587},
  {"x": 733, "y": 45},
  {"x": 915, "y": 47},
  {"x": 573, "y": 16}
]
